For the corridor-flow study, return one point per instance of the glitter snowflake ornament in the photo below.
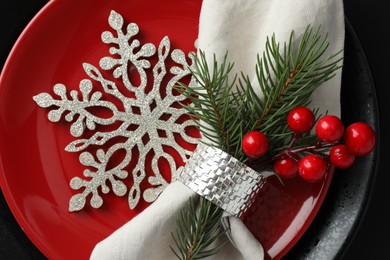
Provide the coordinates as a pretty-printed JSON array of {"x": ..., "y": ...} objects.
[{"x": 138, "y": 130}]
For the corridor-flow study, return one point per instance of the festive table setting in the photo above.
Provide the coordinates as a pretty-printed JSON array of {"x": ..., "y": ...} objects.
[{"x": 188, "y": 130}]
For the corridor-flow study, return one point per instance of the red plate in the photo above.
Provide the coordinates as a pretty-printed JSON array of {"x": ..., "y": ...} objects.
[{"x": 36, "y": 170}]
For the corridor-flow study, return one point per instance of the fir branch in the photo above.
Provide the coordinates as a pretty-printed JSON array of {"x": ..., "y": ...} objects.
[
  {"x": 211, "y": 101},
  {"x": 286, "y": 78},
  {"x": 197, "y": 229}
]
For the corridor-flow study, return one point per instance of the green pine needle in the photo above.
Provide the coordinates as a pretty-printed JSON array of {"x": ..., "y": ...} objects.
[{"x": 197, "y": 229}]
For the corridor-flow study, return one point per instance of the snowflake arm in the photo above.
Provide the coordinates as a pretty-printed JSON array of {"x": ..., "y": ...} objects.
[
  {"x": 127, "y": 53},
  {"x": 78, "y": 107},
  {"x": 99, "y": 178}
]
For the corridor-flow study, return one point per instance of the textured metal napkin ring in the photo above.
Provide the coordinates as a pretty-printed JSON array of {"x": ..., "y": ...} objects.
[{"x": 222, "y": 179}]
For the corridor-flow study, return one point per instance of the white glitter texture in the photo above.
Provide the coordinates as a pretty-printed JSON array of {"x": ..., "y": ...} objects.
[{"x": 152, "y": 107}]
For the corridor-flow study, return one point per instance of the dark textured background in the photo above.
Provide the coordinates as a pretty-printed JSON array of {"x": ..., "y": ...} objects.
[{"x": 368, "y": 19}]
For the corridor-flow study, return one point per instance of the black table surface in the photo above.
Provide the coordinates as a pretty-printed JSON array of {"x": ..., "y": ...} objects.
[{"x": 368, "y": 19}]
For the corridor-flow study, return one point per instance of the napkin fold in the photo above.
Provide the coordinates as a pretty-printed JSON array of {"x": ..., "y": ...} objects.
[
  {"x": 148, "y": 236},
  {"x": 239, "y": 27}
]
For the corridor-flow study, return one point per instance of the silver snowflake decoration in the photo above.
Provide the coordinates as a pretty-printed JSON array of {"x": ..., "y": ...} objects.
[{"x": 138, "y": 119}]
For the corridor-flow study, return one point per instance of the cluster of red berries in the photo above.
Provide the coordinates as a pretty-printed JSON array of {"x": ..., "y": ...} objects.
[{"x": 358, "y": 140}]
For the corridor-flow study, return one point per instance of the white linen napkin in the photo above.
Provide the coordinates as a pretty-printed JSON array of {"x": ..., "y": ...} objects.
[{"x": 239, "y": 27}]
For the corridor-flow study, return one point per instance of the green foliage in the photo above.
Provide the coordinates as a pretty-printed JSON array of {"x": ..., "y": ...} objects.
[
  {"x": 226, "y": 109},
  {"x": 287, "y": 79},
  {"x": 197, "y": 229}
]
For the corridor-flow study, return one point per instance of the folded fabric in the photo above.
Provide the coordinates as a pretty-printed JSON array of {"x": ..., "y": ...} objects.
[
  {"x": 148, "y": 236},
  {"x": 239, "y": 27}
]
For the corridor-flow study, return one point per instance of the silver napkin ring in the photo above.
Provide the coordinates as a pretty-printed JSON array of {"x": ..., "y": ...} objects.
[{"x": 222, "y": 179}]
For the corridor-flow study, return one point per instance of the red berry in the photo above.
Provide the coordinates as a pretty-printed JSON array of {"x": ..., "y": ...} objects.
[
  {"x": 341, "y": 157},
  {"x": 360, "y": 138},
  {"x": 300, "y": 120},
  {"x": 312, "y": 168},
  {"x": 255, "y": 144},
  {"x": 286, "y": 167},
  {"x": 329, "y": 129}
]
